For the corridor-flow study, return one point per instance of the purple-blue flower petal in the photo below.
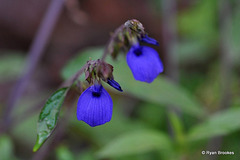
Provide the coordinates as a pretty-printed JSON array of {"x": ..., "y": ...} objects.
[
  {"x": 114, "y": 84},
  {"x": 144, "y": 63},
  {"x": 149, "y": 40},
  {"x": 94, "y": 106}
]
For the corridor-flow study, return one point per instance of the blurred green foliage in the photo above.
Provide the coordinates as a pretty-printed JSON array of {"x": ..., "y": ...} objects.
[
  {"x": 63, "y": 153},
  {"x": 6, "y": 148},
  {"x": 137, "y": 142}
]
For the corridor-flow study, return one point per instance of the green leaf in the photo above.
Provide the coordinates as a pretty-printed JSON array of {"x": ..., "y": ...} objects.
[
  {"x": 221, "y": 123},
  {"x": 195, "y": 23},
  {"x": 199, "y": 21},
  {"x": 135, "y": 143},
  {"x": 177, "y": 127},
  {"x": 6, "y": 147},
  {"x": 194, "y": 50},
  {"x": 49, "y": 116},
  {"x": 161, "y": 91}
]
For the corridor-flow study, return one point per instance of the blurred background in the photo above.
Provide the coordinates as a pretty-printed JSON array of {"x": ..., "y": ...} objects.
[{"x": 190, "y": 109}]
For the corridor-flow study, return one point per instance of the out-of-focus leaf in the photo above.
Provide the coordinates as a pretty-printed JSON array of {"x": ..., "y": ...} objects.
[
  {"x": 231, "y": 143},
  {"x": 193, "y": 50},
  {"x": 197, "y": 26},
  {"x": 11, "y": 66},
  {"x": 199, "y": 20},
  {"x": 86, "y": 155},
  {"x": 135, "y": 143},
  {"x": 49, "y": 116},
  {"x": 221, "y": 123},
  {"x": 161, "y": 91},
  {"x": 152, "y": 115},
  {"x": 25, "y": 130},
  {"x": 63, "y": 153},
  {"x": 6, "y": 148},
  {"x": 177, "y": 127}
]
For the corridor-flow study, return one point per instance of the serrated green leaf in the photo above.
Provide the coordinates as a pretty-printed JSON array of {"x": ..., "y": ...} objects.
[
  {"x": 161, "y": 91},
  {"x": 219, "y": 124},
  {"x": 135, "y": 143},
  {"x": 49, "y": 116}
]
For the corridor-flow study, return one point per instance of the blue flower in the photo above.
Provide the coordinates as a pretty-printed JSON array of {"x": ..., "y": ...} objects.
[
  {"x": 114, "y": 84},
  {"x": 94, "y": 106},
  {"x": 149, "y": 40},
  {"x": 144, "y": 63}
]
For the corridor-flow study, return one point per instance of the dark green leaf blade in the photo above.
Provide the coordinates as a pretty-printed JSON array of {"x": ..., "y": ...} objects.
[{"x": 49, "y": 116}]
